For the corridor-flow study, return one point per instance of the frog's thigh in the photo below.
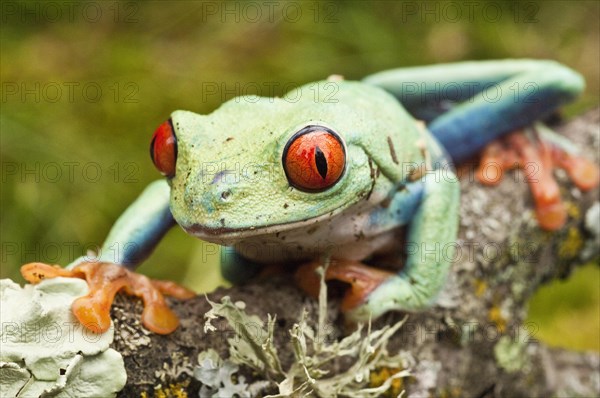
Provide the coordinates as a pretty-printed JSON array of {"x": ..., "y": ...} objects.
[
  {"x": 431, "y": 240},
  {"x": 488, "y": 98},
  {"x": 516, "y": 102},
  {"x": 235, "y": 268}
]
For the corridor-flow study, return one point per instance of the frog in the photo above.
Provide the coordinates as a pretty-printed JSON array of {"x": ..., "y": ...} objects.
[{"x": 348, "y": 173}]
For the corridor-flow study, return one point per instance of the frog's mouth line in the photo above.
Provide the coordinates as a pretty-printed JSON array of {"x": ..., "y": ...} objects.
[{"x": 227, "y": 236}]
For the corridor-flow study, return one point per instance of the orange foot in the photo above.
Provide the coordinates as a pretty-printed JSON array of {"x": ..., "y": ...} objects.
[
  {"x": 362, "y": 279},
  {"x": 104, "y": 281},
  {"x": 537, "y": 160}
]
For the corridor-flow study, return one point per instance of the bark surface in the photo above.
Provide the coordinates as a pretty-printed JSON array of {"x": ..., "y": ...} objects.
[{"x": 474, "y": 342}]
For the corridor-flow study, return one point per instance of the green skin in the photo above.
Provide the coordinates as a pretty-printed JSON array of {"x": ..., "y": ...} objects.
[{"x": 230, "y": 188}]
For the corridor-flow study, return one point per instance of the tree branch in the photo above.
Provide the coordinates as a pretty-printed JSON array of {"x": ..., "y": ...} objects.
[{"x": 473, "y": 342}]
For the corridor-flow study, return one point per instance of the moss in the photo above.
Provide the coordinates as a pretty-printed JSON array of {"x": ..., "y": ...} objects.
[
  {"x": 571, "y": 246},
  {"x": 557, "y": 306}
]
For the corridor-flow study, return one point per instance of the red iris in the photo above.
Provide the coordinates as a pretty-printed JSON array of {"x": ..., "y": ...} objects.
[
  {"x": 163, "y": 149},
  {"x": 314, "y": 159}
]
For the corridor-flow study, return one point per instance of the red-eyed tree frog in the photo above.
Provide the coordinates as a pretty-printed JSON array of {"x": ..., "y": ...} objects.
[{"x": 336, "y": 169}]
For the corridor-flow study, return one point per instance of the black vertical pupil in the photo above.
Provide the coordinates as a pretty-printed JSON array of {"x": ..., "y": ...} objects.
[{"x": 321, "y": 162}]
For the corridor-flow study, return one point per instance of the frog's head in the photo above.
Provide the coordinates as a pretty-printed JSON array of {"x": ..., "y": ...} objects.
[{"x": 262, "y": 165}]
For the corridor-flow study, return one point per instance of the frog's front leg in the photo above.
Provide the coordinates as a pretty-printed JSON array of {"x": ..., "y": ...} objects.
[
  {"x": 132, "y": 238},
  {"x": 430, "y": 244},
  {"x": 431, "y": 238}
]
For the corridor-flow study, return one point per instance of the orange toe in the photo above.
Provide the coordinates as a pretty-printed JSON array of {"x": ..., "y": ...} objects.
[
  {"x": 538, "y": 160},
  {"x": 104, "y": 281},
  {"x": 92, "y": 313},
  {"x": 491, "y": 165},
  {"x": 362, "y": 279},
  {"x": 584, "y": 174},
  {"x": 159, "y": 318},
  {"x": 37, "y": 272},
  {"x": 551, "y": 217}
]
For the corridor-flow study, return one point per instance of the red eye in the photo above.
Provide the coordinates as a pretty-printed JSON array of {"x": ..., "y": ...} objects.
[
  {"x": 163, "y": 149},
  {"x": 314, "y": 159}
]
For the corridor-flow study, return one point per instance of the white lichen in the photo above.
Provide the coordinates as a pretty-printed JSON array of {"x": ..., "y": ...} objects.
[
  {"x": 177, "y": 366},
  {"x": 592, "y": 225},
  {"x": 46, "y": 351},
  {"x": 217, "y": 377}
]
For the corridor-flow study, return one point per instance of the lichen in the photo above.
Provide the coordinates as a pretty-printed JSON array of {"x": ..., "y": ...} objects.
[
  {"x": 573, "y": 210},
  {"x": 480, "y": 287},
  {"x": 173, "y": 390},
  {"x": 379, "y": 376},
  {"x": 570, "y": 247},
  {"x": 46, "y": 352},
  {"x": 495, "y": 316},
  {"x": 592, "y": 225},
  {"x": 219, "y": 377},
  {"x": 451, "y": 392},
  {"x": 178, "y": 365},
  {"x": 510, "y": 352},
  {"x": 314, "y": 358}
]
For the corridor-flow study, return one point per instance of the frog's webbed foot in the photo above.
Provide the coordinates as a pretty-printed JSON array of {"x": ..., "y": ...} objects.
[
  {"x": 104, "y": 281},
  {"x": 362, "y": 279},
  {"x": 538, "y": 157}
]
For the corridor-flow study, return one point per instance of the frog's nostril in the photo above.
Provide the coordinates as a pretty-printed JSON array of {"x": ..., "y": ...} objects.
[{"x": 225, "y": 195}]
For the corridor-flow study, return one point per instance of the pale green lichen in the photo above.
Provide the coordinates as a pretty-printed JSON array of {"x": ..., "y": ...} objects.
[
  {"x": 219, "y": 378},
  {"x": 46, "y": 351},
  {"x": 511, "y": 352},
  {"x": 310, "y": 374}
]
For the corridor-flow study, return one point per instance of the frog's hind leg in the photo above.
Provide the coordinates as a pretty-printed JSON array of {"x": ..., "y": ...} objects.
[
  {"x": 485, "y": 101},
  {"x": 538, "y": 151},
  {"x": 363, "y": 279},
  {"x": 468, "y": 105}
]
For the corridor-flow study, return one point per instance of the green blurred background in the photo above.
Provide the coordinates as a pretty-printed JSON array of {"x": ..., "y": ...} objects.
[{"x": 84, "y": 85}]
